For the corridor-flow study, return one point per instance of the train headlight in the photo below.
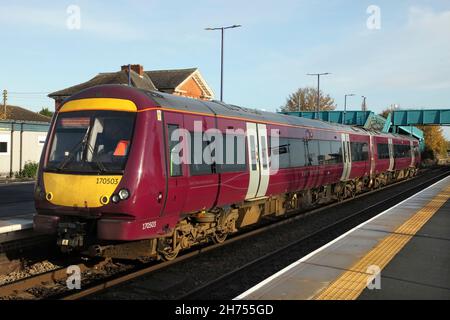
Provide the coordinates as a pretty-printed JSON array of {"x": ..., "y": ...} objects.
[
  {"x": 124, "y": 194},
  {"x": 115, "y": 198}
]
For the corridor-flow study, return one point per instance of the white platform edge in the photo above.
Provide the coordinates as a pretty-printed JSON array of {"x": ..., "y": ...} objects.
[
  {"x": 15, "y": 225},
  {"x": 294, "y": 264}
]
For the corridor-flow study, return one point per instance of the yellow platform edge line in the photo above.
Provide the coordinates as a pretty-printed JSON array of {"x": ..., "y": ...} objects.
[{"x": 350, "y": 284}]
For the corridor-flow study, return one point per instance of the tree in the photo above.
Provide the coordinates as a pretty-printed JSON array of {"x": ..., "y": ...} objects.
[
  {"x": 305, "y": 99},
  {"x": 386, "y": 111},
  {"x": 435, "y": 142},
  {"x": 46, "y": 112}
]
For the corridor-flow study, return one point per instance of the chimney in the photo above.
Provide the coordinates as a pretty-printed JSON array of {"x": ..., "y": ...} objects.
[{"x": 135, "y": 67}]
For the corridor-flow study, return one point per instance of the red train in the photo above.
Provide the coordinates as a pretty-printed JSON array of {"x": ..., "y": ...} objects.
[{"x": 111, "y": 182}]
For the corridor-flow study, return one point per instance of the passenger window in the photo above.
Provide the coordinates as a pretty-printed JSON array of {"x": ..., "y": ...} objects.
[
  {"x": 264, "y": 152},
  {"x": 199, "y": 165},
  {"x": 234, "y": 156},
  {"x": 336, "y": 152},
  {"x": 297, "y": 154},
  {"x": 283, "y": 152},
  {"x": 253, "y": 152},
  {"x": 313, "y": 152},
  {"x": 383, "y": 151}
]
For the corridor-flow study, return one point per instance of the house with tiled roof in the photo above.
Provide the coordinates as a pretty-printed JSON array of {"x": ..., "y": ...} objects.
[
  {"x": 184, "y": 82},
  {"x": 15, "y": 113}
]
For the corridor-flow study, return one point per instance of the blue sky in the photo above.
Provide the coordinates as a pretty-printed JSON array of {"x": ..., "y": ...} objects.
[{"x": 405, "y": 62}]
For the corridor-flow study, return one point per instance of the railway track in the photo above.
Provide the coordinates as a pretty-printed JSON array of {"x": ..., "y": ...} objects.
[
  {"x": 206, "y": 290},
  {"x": 102, "y": 275}
]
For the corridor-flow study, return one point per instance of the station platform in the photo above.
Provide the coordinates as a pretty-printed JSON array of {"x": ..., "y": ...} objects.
[
  {"x": 402, "y": 253},
  {"x": 16, "y": 223},
  {"x": 16, "y": 208}
]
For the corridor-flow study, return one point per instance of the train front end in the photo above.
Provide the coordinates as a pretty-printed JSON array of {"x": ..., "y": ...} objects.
[{"x": 89, "y": 176}]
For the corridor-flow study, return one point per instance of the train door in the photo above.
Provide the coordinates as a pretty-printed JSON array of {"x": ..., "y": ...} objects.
[
  {"x": 391, "y": 154},
  {"x": 346, "y": 156},
  {"x": 372, "y": 156},
  {"x": 258, "y": 164},
  {"x": 264, "y": 160},
  {"x": 176, "y": 178}
]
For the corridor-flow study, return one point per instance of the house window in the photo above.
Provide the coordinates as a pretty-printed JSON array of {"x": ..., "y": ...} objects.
[{"x": 3, "y": 147}]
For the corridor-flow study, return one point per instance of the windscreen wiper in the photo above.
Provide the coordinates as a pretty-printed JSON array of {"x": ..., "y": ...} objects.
[
  {"x": 100, "y": 164},
  {"x": 72, "y": 151}
]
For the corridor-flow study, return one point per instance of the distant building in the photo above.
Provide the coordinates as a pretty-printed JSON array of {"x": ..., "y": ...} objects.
[
  {"x": 22, "y": 137},
  {"x": 183, "y": 82}
]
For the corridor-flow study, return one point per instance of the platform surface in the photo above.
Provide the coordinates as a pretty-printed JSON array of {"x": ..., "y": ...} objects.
[
  {"x": 16, "y": 207},
  {"x": 402, "y": 253}
]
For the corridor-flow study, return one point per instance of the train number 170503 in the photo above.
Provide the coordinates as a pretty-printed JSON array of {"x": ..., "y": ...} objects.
[{"x": 107, "y": 180}]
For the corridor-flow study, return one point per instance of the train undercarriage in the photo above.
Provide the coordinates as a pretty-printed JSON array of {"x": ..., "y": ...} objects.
[{"x": 215, "y": 225}]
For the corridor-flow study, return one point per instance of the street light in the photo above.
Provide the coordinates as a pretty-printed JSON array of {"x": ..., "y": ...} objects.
[
  {"x": 345, "y": 106},
  {"x": 318, "y": 89},
  {"x": 221, "y": 54},
  {"x": 364, "y": 103}
]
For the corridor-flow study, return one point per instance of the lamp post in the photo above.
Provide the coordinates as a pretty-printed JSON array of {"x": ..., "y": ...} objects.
[
  {"x": 364, "y": 103},
  {"x": 318, "y": 89},
  {"x": 221, "y": 53},
  {"x": 345, "y": 106}
]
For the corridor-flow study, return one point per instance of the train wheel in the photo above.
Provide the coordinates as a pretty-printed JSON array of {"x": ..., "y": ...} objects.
[
  {"x": 220, "y": 237},
  {"x": 169, "y": 255},
  {"x": 166, "y": 248}
]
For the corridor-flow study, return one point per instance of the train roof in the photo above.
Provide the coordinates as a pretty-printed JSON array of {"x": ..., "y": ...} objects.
[{"x": 170, "y": 101}]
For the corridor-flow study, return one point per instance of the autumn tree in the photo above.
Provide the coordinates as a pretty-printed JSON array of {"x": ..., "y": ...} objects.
[
  {"x": 435, "y": 142},
  {"x": 46, "y": 112},
  {"x": 305, "y": 99}
]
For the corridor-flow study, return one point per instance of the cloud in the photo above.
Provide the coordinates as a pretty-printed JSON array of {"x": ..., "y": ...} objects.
[{"x": 410, "y": 57}]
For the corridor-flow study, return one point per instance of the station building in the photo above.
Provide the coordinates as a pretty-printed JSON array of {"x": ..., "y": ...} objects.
[{"x": 22, "y": 137}]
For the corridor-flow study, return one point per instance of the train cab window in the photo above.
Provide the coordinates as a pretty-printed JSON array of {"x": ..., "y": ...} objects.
[
  {"x": 297, "y": 155},
  {"x": 175, "y": 167},
  {"x": 360, "y": 151},
  {"x": 313, "y": 152},
  {"x": 383, "y": 151},
  {"x": 91, "y": 141}
]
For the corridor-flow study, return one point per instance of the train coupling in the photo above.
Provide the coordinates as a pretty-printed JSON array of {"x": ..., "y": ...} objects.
[{"x": 71, "y": 236}]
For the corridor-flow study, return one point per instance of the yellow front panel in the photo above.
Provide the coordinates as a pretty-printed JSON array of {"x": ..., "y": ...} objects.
[
  {"x": 73, "y": 190},
  {"x": 99, "y": 104}
]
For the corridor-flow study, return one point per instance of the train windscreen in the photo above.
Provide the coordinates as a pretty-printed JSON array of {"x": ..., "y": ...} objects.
[{"x": 91, "y": 141}]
